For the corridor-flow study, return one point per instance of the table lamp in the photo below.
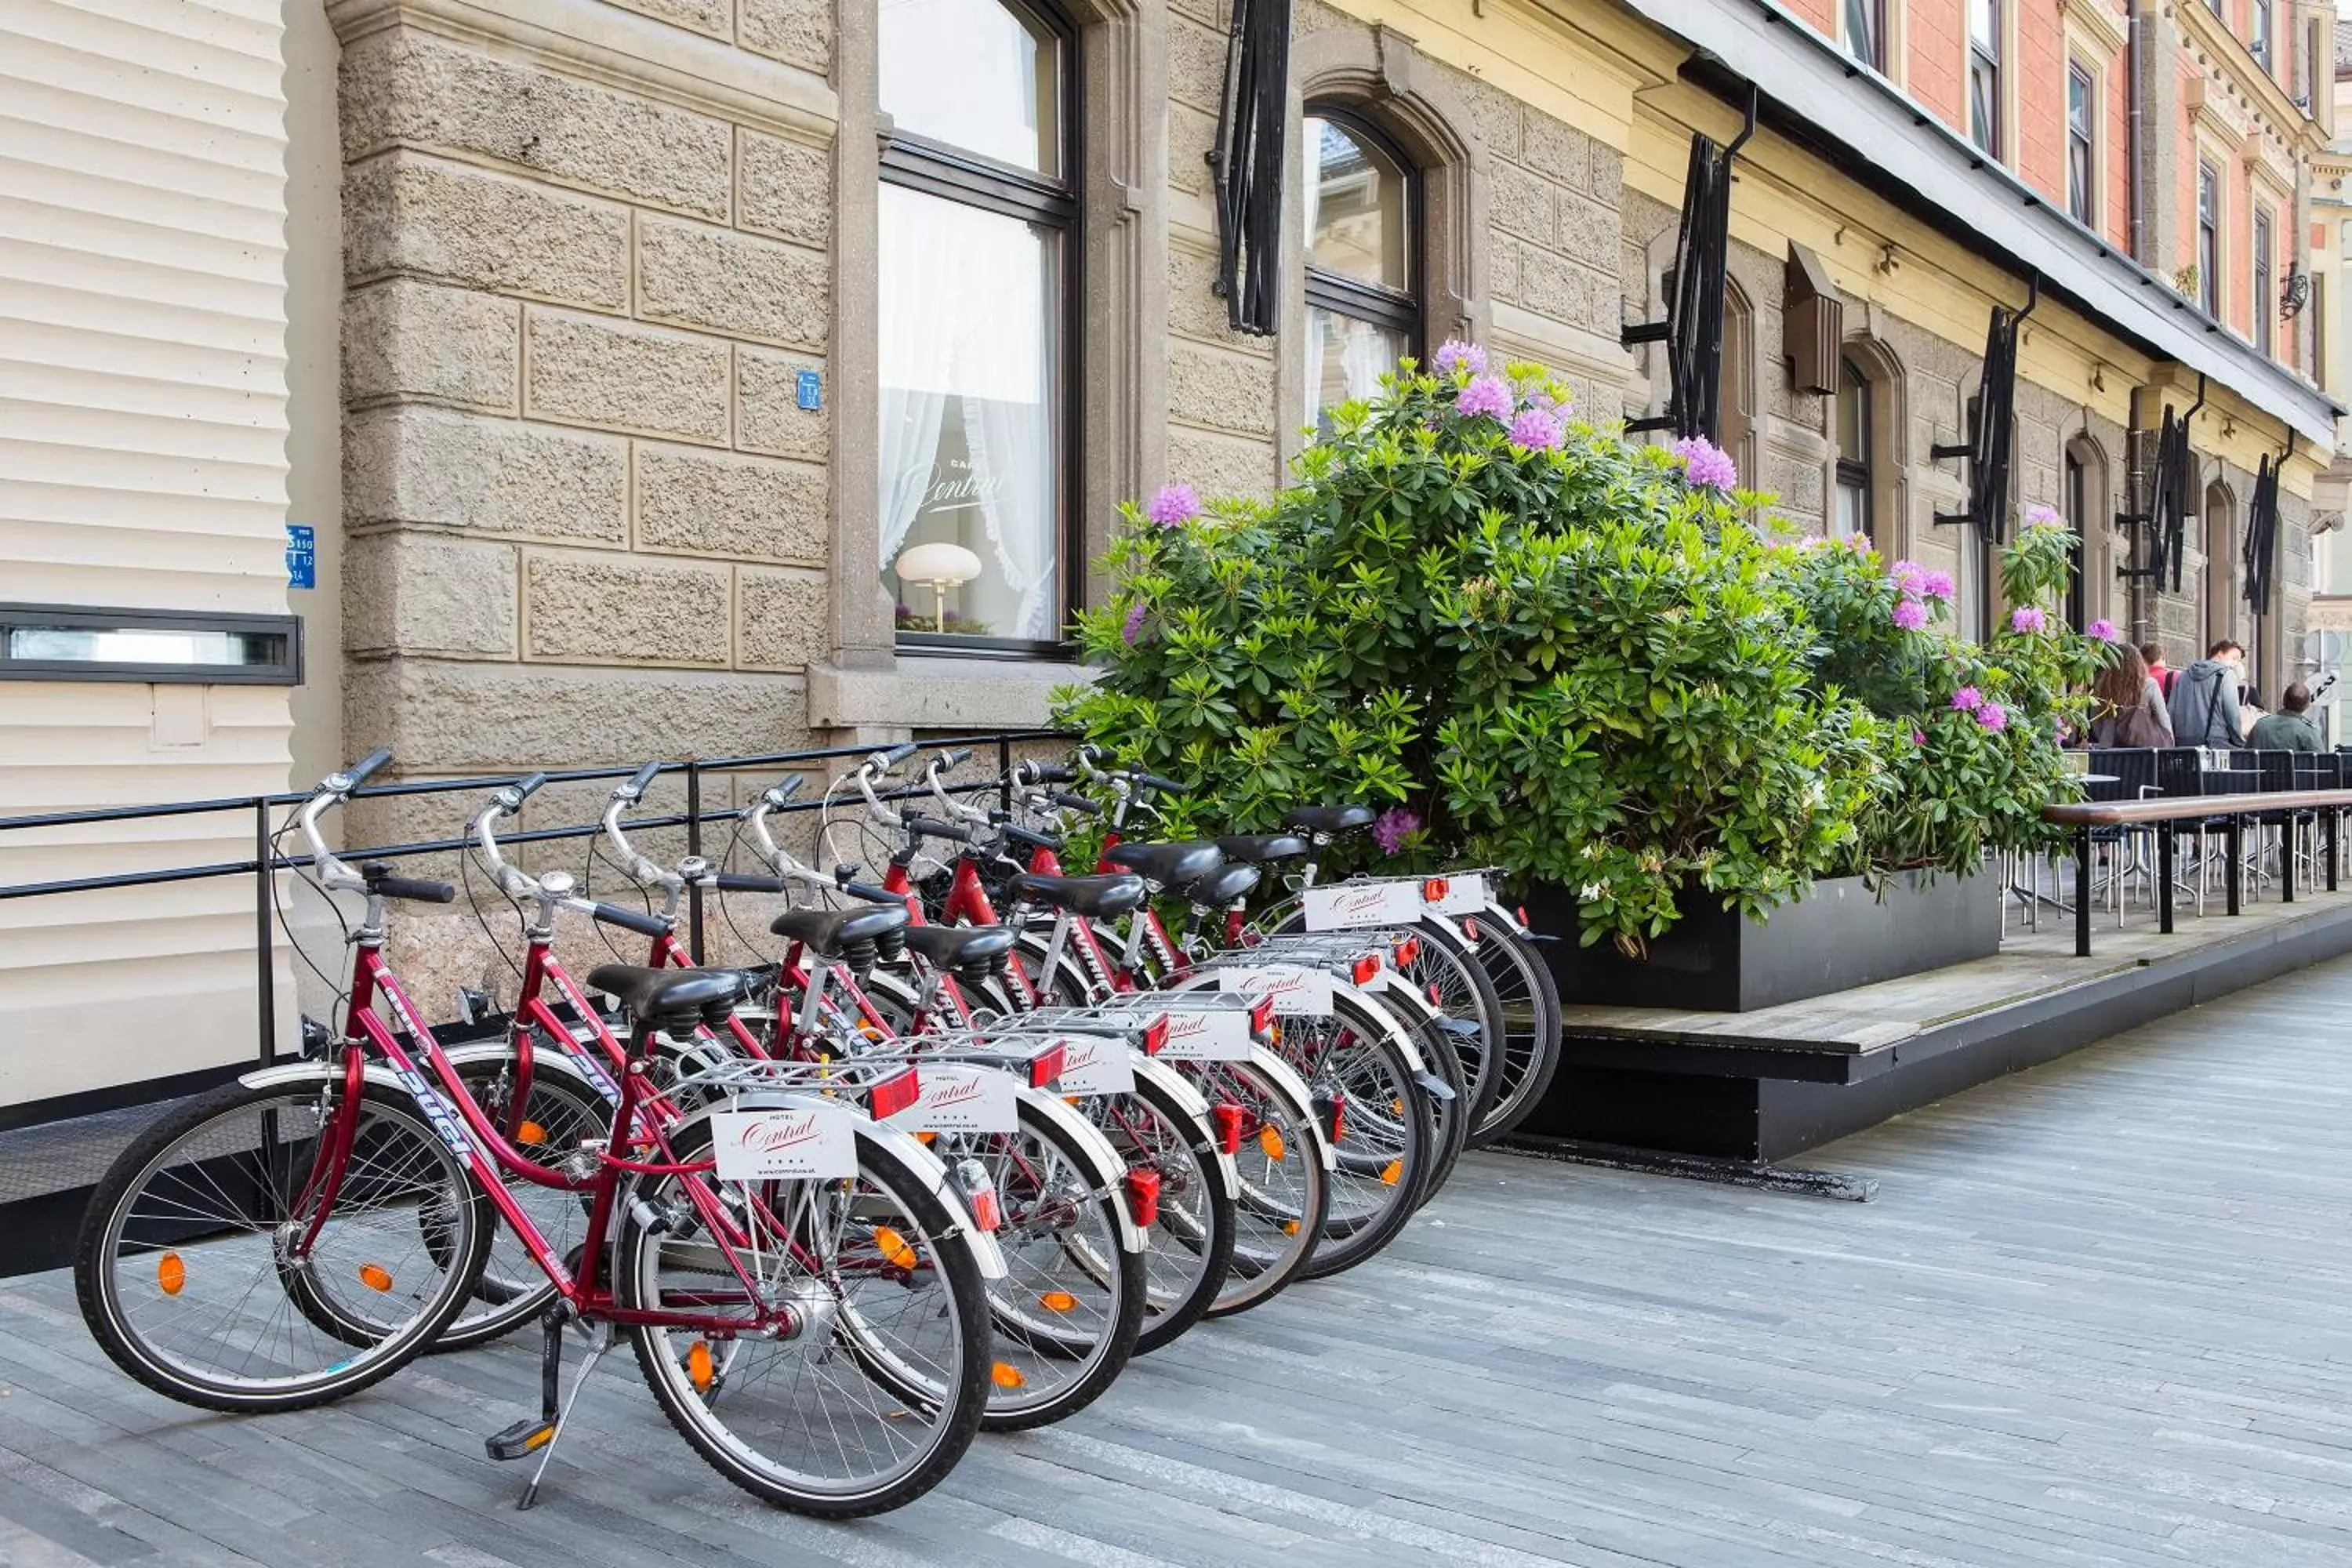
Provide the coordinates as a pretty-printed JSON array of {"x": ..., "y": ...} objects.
[{"x": 943, "y": 566}]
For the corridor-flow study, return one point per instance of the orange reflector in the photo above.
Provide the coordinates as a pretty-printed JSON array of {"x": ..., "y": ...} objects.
[
  {"x": 698, "y": 1368},
  {"x": 893, "y": 1245},
  {"x": 1397, "y": 1105},
  {"x": 1366, "y": 968},
  {"x": 926, "y": 1137},
  {"x": 541, "y": 1438},
  {"x": 1392, "y": 1172},
  {"x": 1290, "y": 1227},
  {"x": 1004, "y": 1375},
  {"x": 1407, "y": 951},
  {"x": 1059, "y": 1301},
  {"x": 1432, "y": 889},
  {"x": 530, "y": 1133},
  {"x": 1227, "y": 1119},
  {"x": 171, "y": 1274},
  {"x": 1270, "y": 1139},
  {"x": 376, "y": 1277}
]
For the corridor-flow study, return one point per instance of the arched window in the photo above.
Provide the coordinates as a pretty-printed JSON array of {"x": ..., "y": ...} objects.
[
  {"x": 1736, "y": 411},
  {"x": 2220, "y": 585},
  {"x": 975, "y": 265},
  {"x": 1855, "y": 508},
  {"x": 1363, "y": 255}
]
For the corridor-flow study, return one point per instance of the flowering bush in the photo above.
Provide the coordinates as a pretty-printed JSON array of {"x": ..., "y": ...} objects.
[{"x": 1531, "y": 643}]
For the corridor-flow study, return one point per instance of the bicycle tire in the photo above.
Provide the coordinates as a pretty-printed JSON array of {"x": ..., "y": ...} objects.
[
  {"x": 960, "y": 1392},
  {"x": 1276, "y": 1227},
  {"x": 1532, "y": 1024},
  {"x": 114, "y": 1204}
]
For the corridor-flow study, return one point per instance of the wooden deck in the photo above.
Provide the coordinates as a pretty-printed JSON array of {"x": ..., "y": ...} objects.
[{"x": 2096, "y": 1316}]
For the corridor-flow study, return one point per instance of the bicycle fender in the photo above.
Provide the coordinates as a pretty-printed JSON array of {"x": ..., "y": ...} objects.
[
  {"x": 1380, "y": 1007},
  {"x": 286, "y": 1073},
  {"x": 1104, "y": 1168},
  {"x": 1190, "y": 1100},
  {"x": 1287, "y": 1079}
]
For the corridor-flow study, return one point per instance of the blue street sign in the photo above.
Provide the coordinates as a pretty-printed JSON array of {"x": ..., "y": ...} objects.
[
  {"x": 301, "y": 556},
  {"x": 812, "y": 389}
]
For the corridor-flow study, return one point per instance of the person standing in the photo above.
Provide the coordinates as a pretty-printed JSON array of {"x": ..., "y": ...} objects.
[
  {"x": 2127, "y": 708},
  {"x": 2163, "y": 673},
  {"x": 2205, "y": 700},
  {"x": 2290, "y": 729}
]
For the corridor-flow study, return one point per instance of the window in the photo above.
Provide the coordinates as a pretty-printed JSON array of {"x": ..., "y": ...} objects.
[
  {"x": 1866, "y": 32},
  {"x": 2208, "y": 239},
  {"x": 49, "y": 642},
  {"x": 976, "y": 270},
  {"x": 2310, "y": 99},
  {"x": 1984, "y": 75},
  {"x": 2081, "y": 114},
  {"x": 2259, "y": 42},
  {"x": 1852, "y": 515},
  {"x": 2265, "y": 308},
  {"x": 2221, "y": 569},
  {"x": 2078, "y": 513},
  {"x": 1363, "y": 314}
]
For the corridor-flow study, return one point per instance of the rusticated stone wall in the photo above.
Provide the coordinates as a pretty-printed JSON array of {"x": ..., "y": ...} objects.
[{"x": 586, "y": 520}]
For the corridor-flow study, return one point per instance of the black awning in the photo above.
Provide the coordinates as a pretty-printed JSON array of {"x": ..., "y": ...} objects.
[
  {"x": 1692, "y": 330},
  {"x": 2260, "y": 556},
  {"x": 1246, "y": 162},
  {"x": 2164, "y": 519},
  {"x": 1993, "y": 425}
]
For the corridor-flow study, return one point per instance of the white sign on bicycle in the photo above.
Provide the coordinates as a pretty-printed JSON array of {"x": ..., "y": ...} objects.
[
  {"x": 1096, "y": 1064},
  {"x": 1206, "y": 1034},
  {"x": 1464, "y": 894},
  {"x": 1352, "y": 906},
  {"x": 958, "y": 1098},
  {"x": 809, "y": 1139},
  {"x": 1297, "y": 993}
]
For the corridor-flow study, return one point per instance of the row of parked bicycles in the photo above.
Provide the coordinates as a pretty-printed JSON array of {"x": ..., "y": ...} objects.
[{"x": 981, "y": 1132}]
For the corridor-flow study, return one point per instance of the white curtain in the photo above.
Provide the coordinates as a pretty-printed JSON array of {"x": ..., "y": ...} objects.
[{"x": 1009, "y": 442}]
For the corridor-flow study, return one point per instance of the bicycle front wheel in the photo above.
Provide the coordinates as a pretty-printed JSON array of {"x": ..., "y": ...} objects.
[
  {"x": 269, "y": 1249},
  {"x": 879, "y": 1388}
]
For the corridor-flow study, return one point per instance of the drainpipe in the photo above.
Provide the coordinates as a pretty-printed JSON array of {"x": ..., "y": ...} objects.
[{"x": 2136, "y": 75}]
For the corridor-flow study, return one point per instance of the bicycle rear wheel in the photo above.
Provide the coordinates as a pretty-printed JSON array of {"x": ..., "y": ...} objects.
[
  {"x": 1286, "y": 1193},
  {"x": 1531, "y": 1023},
  {"x": 872, "y": 1400},
  {"x": 230, "y": 1259},
  {"x": 1384, "y": 1147}
]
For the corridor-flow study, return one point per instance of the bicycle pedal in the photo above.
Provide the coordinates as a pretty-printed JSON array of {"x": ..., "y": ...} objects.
[{"x": 521, "y": 1440}]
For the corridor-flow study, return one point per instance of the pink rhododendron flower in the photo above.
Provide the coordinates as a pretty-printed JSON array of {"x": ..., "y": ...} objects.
[
  {"x": 1937, "y": 586},
  {"x": 1910, "y": 615},
  {"x": 1390, "y": 828},
  {"x": 1967, "y": 700},
  {"x": 1454, "y": 354},
  {"x": 1134, "y": 626},
  {"x": 2042, "y": 517},
  {"x": 1907, "y": 576},
  {"x": 1173, "y": 505},
  {"x": 1993, "y": 716},
  {"x": 2102, "y": 629},
  {"x": 1486, "y": 395},
  {"x": 1535, "y": 431},
  {"x": 1706, "y": 464},
  {"x": 2028, "y": 619},
  {"x": 1918, "y": 737}
]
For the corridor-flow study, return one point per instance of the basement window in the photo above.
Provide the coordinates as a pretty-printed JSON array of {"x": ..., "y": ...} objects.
[{"x": 53, "y": 642}]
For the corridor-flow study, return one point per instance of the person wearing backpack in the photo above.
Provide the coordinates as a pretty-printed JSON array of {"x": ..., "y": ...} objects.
[{"x": 2206, "y": 700}]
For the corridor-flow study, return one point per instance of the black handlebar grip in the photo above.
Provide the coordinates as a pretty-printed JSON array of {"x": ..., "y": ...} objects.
[
  {"x": 1166, "y": 786},
  {"x": 932, "y": 828},
  {"x": 358, "y": 771},
  {"x": 1052, "y": 773},
  {"x": 950, "y": 761},
  {"x": 641, "y": 778},
  {"x": 631, "y": 920},
  {"x": 872, "y": 894},
  {"x": 1033, "y": 837},
  {"x": 744, "y": 882},
  {"x": 527, "y": 785},
  {"x": 414, "y": 889},
  {"x": 1075, "y": 801},
  {"x": 785, "y": 788},
  {"x": 897, "y": 755}
]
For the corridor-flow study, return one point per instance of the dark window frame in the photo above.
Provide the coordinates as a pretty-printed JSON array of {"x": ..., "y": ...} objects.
[
  {"x": 2208, "y": 239},
  {"x": 1985, "y": 60},
  {"x": 1404, "y": 312},
  {"x": 86, "y": 617},
  {"x": 1873, "y": 15},
  {"x": 958, "y": 175},
  {"x": 2265, "y": 317},
  {"x": 2076, "y": 488},
  {"x": 2261, "y": 34},
  {"x": 1856, "y": 473},
  {"x": 2081, "y": 145}
]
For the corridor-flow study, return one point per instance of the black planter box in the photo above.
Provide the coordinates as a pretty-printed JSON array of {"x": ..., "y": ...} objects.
[{"x": 1839, "y": 935}]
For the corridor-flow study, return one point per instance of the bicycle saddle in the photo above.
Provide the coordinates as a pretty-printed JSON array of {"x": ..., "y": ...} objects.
[
  {"x": 1328, "y": 820},
  {"x": 831, "y": 934},
  {"x": 1097, "y": 898},
  {"x": 1220, "y": 887},
  {"x": 669, "y": 998},
  {"x": 1169, "y": 864},
  {"x": 1263, "y": 849},
  {"x": 952, "y": 947}
]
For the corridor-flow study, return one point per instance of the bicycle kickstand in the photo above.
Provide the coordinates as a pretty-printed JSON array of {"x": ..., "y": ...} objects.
[{"x": 538, "y": 1436}]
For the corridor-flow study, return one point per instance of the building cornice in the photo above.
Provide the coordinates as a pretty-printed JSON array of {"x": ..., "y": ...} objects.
[
  {"x": 2298, "y": 128},
  {"x": 618, "y": 49},
  {"x": 1862, "y": 125},
  {"x": 2101, "y": 25}
]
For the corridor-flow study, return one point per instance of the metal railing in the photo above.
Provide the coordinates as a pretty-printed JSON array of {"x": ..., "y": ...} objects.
[{"x": 264, "y": 864}]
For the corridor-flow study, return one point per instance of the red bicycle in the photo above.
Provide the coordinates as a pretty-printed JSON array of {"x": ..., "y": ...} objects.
[{"x": 802, "y": 1284}]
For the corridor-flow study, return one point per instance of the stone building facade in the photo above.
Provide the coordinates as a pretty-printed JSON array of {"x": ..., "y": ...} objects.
[{"x": 616, "y": 352}]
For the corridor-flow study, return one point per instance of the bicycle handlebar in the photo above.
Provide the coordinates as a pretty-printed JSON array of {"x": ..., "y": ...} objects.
[
  {"x": 954, "y": 760},
  {"x": 634, "y": 790},
  {"x": 358, "y": 773},
  {"x": 896, "y": 754},
  {"x": 1077, "y": 803},
  {"x": 415, "y": 890},
  {"x": 932, "y": 828},
  {"x": 743, "y": 882},
  {"x": 629, "y": 920}
]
